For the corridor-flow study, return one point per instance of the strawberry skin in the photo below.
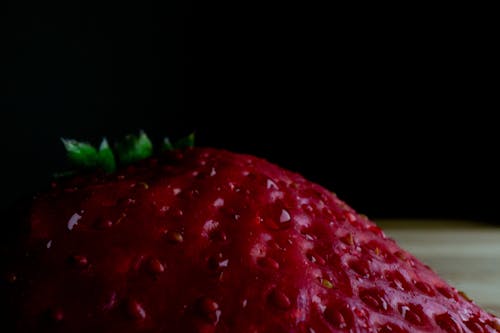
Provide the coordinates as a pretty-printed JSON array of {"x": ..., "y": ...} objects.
[{"x": 204, "y": 240}]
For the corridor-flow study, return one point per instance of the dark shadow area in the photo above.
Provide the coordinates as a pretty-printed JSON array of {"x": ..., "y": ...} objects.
[{"x": 387, "y": 111}]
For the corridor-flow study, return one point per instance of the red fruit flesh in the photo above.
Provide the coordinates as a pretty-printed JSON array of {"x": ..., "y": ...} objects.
[{"x": 205, "y": 240}]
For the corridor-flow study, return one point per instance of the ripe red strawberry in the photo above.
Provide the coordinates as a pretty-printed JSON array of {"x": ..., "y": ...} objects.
[{"x": 204, "y": 240}]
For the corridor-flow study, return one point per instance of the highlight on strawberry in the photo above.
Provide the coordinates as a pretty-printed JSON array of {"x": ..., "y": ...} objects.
[{"x": 187, "y": 239}]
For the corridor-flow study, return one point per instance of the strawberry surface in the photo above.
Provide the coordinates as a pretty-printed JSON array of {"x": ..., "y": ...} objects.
[{"x": 205, "y": 240}]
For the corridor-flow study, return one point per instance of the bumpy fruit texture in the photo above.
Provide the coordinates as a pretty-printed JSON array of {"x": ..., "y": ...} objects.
[{"x": 204, "y": 240}]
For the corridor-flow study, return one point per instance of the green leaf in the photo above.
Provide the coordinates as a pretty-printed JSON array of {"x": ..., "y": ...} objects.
[
  {"x": 185, "y": 142},
  {"x": 80, "y": 154},
  {"x": 134, "y": 148},
  {"x": 106, "y": 157},
  {"x": 167, "y": 145}
]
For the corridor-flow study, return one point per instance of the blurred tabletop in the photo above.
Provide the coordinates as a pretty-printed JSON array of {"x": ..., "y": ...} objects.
[{"x": 466, "y": 254}]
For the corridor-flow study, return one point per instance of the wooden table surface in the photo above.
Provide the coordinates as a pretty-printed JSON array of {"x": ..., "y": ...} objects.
[{"x": 464, "y": 253}]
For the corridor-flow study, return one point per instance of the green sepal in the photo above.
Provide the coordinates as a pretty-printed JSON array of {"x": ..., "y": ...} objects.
[
  {"x": 106, "y": 158},
  {"x": 167, "y": 145},
  {"x": 185, "y": 142},
  {"x": 80, "y": 154},
  {"x": 134, "y": 148}
]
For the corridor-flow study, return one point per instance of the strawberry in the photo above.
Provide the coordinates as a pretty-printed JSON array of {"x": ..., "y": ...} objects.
[{"x": 205, "y": 240}]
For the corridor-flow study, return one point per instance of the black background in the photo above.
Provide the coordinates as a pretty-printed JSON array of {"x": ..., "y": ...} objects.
[{"x": 391, "y": 108}]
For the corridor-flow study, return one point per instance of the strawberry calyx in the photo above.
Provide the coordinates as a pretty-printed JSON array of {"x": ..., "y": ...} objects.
[{"x": 83, "y": 156}]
